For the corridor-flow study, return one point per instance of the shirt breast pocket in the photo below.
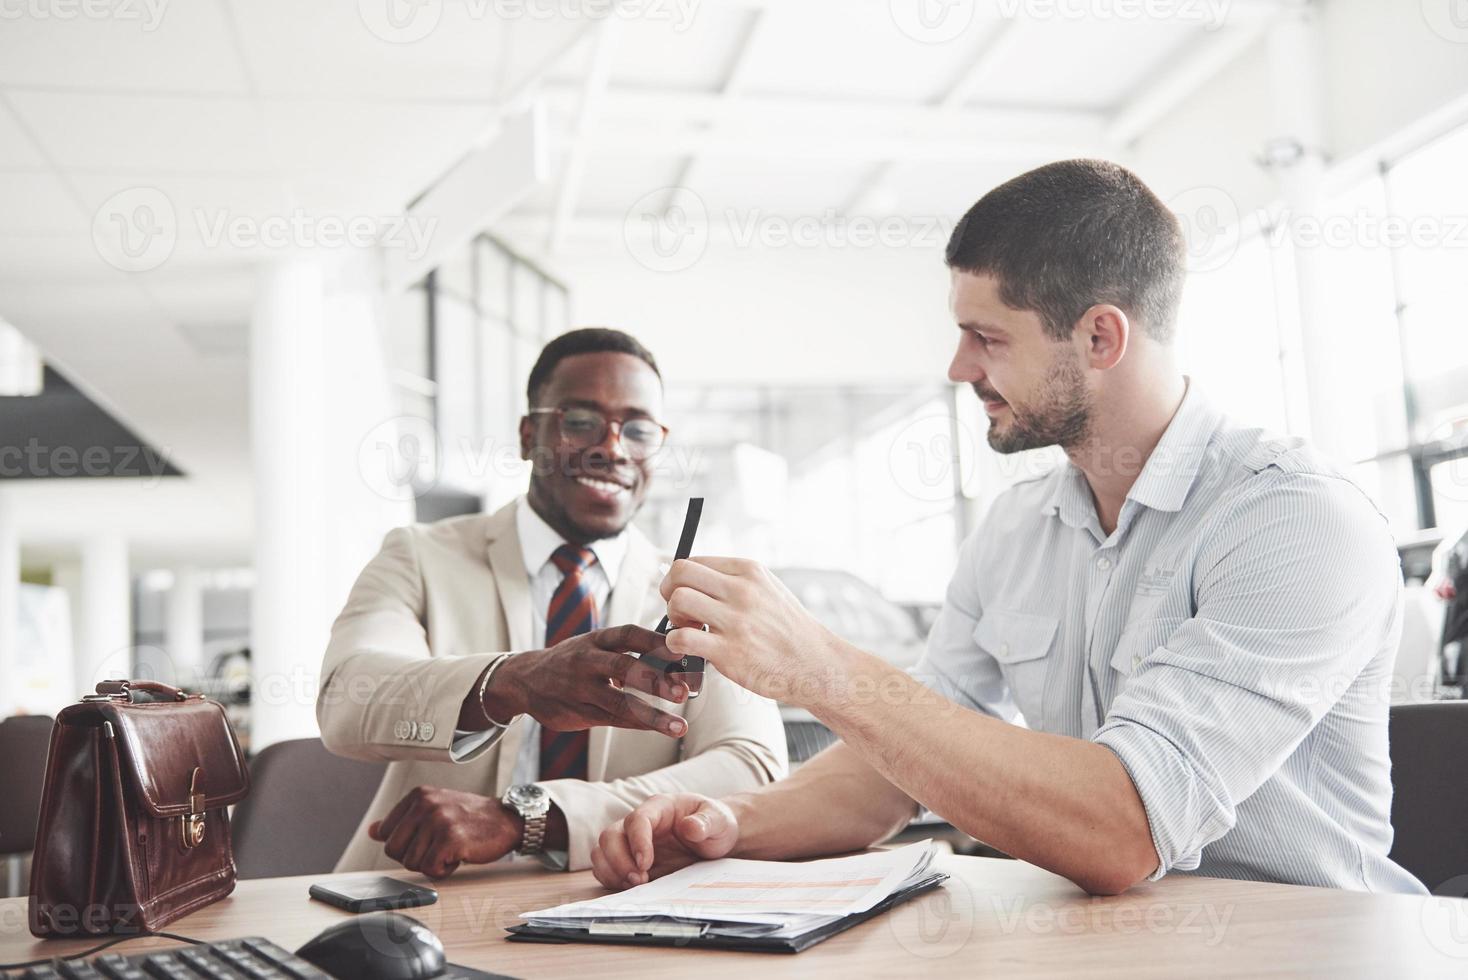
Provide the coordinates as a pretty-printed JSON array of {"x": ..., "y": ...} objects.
[
  {"x": 1021, "y": 643},
  {"x": 1138, "y": 640}
]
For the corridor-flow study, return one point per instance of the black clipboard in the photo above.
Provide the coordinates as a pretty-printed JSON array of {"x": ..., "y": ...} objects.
[{"x": 526, "y": 933}]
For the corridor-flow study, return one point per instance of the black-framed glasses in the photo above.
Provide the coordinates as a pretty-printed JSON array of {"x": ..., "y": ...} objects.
[{"x": 582, "y": 428}]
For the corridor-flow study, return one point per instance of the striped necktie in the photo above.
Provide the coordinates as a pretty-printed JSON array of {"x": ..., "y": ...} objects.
[{"x": 572, "y": 611}]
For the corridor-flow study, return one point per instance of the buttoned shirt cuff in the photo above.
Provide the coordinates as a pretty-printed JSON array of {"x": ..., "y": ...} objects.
[
  {"x": 1182, "y": 815},
  {"x": 468, "y": 746}
]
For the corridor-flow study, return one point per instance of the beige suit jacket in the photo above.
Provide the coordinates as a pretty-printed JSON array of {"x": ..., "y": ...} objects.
[{"x": 424, "y": 619}]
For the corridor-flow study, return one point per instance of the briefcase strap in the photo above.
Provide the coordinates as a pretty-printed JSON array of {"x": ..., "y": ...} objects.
[{"x": 127, "y": 690}]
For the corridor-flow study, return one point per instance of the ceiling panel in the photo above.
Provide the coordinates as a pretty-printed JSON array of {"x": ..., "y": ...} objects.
[
  {"x": 808, "y": 51},
  {"x": 1092, "y": 64},
  {"x": 663, "y": 51},
  {"x": 48, "y": 258},
  {"x": 33, "y": 202},
  {"x": 201, "y": 298},
  {"x": 17, "y": 151},
  {"x": 145, "y": 133},
  {"x": 944, "y": 191},
  {"x": 147, "y": 45},
  {"x": 615, "y": 182},
  {"x": 457, "y": 49},
  {"x": 412, "y": 143},
  {"x": 775, "y": 187}
]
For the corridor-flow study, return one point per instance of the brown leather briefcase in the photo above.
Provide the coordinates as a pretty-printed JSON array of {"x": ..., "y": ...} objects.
[{"x": 134, "y": 830}]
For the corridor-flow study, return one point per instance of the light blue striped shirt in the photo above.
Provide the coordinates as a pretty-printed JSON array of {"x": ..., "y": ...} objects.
[{"x": 1231, "y": 641}]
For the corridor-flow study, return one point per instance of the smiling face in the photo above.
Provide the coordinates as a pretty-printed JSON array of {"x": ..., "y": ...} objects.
[
  {"x": 590, "y": 494},
  {"x": 1032, "y": 386}
]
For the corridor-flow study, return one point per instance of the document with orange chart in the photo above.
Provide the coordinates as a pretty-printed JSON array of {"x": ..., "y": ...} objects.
[{"x": 770, "y": 892}]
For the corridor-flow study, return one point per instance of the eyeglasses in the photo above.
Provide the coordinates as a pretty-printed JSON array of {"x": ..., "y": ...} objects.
[{"x": 582, "y": 428}]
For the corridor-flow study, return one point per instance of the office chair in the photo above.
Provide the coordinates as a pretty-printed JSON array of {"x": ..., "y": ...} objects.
[
  {"x": 1429, "y": 794},
  {"x": 24, "y": 742},
  {"x": 304, "y": 805}
]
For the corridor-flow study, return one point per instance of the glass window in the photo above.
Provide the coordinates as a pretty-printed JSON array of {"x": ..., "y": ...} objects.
[
  {"x": 1429, "y": 211},
  {"x": 455, "y": 275},
  {"x": 1450, "y": 491},
  {"x": 1359, "y": 308},
  {"x": 557, "y": 316},
  {"x": 525, "y": 308},
  {"x": 1229, "y": 336},
  {"x": 494, "y": 277},
  {"x": 456, "y": 388},
  {"x": 1390, "y": 485},
  {"x": 1429, "y": 201}
]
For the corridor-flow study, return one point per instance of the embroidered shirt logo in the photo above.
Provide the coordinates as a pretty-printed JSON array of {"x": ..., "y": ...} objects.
[{"x": 1155, "y": 581}]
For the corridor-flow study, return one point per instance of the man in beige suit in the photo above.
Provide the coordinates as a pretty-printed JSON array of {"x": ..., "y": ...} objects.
[{"x": 468, "y": 657}]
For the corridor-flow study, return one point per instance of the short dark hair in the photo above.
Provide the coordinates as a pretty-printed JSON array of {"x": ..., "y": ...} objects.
[
  {"x": 586, "y": 340},
  {"x": 1071, "y": 234}
]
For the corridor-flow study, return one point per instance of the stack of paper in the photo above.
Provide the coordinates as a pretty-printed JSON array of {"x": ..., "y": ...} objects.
[{"x": 733, "y": 897}]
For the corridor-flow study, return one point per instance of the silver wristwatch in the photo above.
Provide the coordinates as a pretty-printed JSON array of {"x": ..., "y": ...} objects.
[{"x": 533, "y": 805}]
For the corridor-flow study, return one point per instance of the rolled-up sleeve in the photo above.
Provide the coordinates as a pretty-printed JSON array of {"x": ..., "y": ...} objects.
[{"x": 1296, "y": 587}]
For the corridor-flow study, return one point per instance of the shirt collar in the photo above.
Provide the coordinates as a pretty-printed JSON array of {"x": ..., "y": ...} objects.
[
  {"x": 1167, "y": 477},
  {"x": 1069, "y": 496},
  {"x": 1173, "y": 467},
  {"x": 538, "y": 541}
]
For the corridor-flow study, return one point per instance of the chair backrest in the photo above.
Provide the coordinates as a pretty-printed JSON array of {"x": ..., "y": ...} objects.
[
  {"x": 1429, "y": 743},
  {"x": 304, "y": 805},
  {"x": 24, "y": 742}
]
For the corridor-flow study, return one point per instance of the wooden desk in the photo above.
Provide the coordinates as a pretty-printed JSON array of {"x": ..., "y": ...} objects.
[{"x": 994, "y": 918}]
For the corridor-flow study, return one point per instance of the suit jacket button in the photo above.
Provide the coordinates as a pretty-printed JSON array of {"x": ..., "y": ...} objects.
[
  {"x": 400, "y": 729},
  {"x": 412, "y": 730},
  {"x": 425, "y": 731}
]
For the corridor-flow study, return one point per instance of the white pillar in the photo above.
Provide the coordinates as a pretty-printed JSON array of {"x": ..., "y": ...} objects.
[
  {"x": 104, "y": 646},
  {"x": 1297, "y": 152},
  {"x": 183, "y": 624},
  {"x": 288, "y": 629},
  {"x": 9, "y": 604}
]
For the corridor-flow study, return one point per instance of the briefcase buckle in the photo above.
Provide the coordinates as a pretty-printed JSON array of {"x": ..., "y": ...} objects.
[{"x": 191, "y": 826}]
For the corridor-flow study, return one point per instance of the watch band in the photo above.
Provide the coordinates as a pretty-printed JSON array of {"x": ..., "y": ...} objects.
[{"x": 533, "y": 840}]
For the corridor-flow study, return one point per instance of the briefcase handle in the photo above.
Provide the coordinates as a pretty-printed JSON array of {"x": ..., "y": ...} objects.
[{"x": 123, "y": 690}]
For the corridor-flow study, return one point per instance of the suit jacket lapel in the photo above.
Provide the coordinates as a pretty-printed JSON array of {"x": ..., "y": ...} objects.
[
  {"x": 635, "y": 580},
  {"x": 507, "y": 563}
]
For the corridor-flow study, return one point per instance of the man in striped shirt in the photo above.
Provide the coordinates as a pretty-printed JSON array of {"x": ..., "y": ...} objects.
[{"x": 1171, "y": 654}]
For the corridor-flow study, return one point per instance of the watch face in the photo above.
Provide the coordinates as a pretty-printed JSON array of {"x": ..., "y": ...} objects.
[{"x": 527, "y": 796}]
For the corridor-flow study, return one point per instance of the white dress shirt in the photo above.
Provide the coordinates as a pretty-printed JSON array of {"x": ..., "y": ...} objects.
[
  {"x": 1231, "y": 641},
  {"x": 538, "y": 541}
]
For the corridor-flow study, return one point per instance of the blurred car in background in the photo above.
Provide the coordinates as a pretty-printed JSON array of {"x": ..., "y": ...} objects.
[{"x": 857, "y": 612}]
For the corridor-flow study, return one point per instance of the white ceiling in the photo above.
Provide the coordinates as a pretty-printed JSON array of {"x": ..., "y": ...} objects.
[{"x": 258, "y": 107}]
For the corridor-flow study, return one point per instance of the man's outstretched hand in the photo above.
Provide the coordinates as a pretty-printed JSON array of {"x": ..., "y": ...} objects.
[
  {"x": 580, "y": 683},
  {"x": 663, "y": 834}
]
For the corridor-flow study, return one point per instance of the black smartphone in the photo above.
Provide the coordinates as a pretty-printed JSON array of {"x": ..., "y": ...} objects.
[{"x": 372, "y": 894}]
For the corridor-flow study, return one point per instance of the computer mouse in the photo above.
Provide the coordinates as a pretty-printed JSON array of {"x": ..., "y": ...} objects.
[{"x": 377, "y": 946}]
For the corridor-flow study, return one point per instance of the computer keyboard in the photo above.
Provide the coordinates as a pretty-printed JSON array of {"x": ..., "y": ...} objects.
[{"x": 230, "y": 959}]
